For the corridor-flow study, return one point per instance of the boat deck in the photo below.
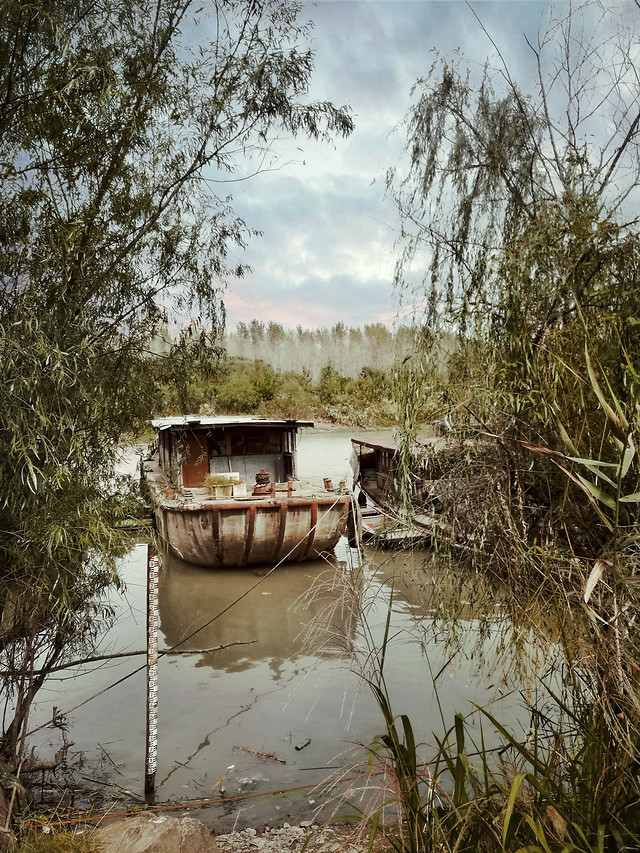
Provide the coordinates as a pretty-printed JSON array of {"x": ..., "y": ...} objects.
[
  {"x": 191, "y": 498},
  {"x": 301, "y": 491},
  {"x": 391, "y": 530}
]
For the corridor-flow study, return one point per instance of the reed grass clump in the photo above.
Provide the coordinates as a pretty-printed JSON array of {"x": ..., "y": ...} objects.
[
  {"x": 571, "y": 784},
  {"x": 58, "y": 842}
]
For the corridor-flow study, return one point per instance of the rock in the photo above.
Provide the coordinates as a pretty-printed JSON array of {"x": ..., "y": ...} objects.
[{"x": 156, "y": 834}]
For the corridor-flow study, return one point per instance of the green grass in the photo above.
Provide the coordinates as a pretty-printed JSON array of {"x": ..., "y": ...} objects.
[
  {"x": 57, "y": 842},
  {"x": 570, "y": 784}
]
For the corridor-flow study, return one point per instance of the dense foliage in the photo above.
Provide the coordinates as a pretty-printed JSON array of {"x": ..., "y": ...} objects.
[
  {"x": 524, "y": 202},
  {"x": 535, "y": 258},
  {"x": 242, "y": 386}
]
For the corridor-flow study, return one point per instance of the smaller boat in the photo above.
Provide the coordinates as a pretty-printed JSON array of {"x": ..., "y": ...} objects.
[
  {"x": 226, "y": 494},
  {"x": 373, "y": 461}
]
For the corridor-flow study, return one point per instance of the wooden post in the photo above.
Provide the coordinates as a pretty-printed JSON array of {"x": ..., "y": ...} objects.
[{"x": 152, "y": 676}]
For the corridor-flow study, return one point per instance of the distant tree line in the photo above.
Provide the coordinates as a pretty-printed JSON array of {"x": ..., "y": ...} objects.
[
  {"x": 252, "y": 386},
  {"x": 347, "y": 350},
  {"x": 342, "y": 375}
]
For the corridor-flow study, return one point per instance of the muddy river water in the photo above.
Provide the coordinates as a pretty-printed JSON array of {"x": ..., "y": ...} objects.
[{"x": 285, "y": 708}]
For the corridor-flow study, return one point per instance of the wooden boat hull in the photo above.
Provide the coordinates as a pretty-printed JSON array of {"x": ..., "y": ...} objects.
[{"x": 236, "y": 533}]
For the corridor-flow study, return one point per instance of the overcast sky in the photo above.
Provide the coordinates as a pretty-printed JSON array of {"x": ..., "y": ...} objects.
[{"x": 328, "y": 250}]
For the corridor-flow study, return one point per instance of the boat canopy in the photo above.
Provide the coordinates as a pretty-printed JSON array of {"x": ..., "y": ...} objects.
[
  {"x": 382, "y": 441},
  {"x": 221, "y": 421}
]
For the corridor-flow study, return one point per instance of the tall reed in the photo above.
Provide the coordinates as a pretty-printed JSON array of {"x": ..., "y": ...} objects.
[{"x": 573, "y": 782}]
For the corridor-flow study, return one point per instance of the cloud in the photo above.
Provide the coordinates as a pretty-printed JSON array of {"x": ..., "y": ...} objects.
[{"x": 329, "y": 233}]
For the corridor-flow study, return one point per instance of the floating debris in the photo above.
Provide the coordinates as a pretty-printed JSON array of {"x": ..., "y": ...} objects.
[{"x": 272, "y": 756}]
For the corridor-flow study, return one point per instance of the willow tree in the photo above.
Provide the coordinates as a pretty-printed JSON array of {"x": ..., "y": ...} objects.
[
  {"x": 522, "y": 205},
  {"x": 489, "y": 162},
  {"x": 118, "y": 121},
  {"x": 521, "y": 202}
]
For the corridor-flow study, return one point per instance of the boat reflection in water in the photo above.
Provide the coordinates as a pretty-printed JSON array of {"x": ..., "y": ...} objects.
[
  {"x": 260, "y": 615},
  {"x": 465, "y": 616}
]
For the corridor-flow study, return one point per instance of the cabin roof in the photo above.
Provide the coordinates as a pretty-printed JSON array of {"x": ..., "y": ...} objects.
[
  {"x": 221, "y": 421},
  {"x": 387, "y": 441},
  {"x": 379, "y": 442}
]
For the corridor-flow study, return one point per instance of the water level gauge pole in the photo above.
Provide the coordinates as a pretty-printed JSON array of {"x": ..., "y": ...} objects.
[{"x": 152, "y": 675}]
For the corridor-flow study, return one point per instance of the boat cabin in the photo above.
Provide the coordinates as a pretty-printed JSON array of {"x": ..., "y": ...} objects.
[
  {"x": 374, "y": 465},
  {"x": 192, "y": 446},
  {"x": 373, "y": 461}
]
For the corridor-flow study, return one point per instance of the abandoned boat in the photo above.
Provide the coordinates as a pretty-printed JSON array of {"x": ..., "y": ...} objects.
[
  {"x": 226, "y": 494},
  {"x": 374, "y": 463}
]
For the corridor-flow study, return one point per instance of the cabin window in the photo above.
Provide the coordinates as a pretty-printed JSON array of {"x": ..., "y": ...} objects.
[
  {"x": 289, "y": 442},
  {"x": 386, "y": 461},
  {"x": 238, "y": 445},
  {"x": 272, "y": 443},
  {"x": 256, "y": 444},
  {"x": 217, "y": 444}
]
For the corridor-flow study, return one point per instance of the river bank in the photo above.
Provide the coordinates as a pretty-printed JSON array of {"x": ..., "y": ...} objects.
[{"x": 164, "y": 834}]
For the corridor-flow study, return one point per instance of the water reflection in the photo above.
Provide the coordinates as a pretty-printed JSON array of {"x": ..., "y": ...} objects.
[
  {"x": 261, "y": 616},
  {"x": 432, "y": 586},
  {"x": 468, "y": 613}
]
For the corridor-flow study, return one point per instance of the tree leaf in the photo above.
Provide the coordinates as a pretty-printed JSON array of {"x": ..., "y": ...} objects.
[
  {"x": 618, "y": 420},
  {"x": 596, "y": 574},
  {"x": 597, "y": 493},
  {"x": 634, "y": 498},
  {"x": 513, "y": 793}
]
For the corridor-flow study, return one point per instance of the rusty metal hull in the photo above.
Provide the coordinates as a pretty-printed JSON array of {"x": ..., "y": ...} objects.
[{"x": 231, "y": 533}]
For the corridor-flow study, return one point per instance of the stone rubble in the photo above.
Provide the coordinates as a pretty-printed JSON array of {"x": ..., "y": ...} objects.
[{"x": 291, "y": 839}]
